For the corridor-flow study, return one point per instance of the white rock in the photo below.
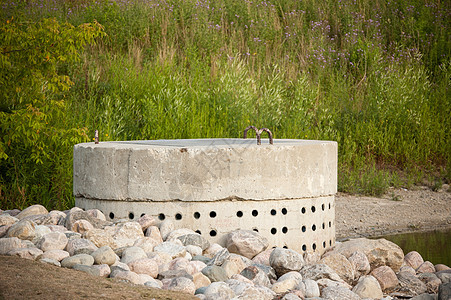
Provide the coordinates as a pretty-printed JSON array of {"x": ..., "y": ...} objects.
[
  {"x": 95, "y": 213},
  {"x": 154, "y": 283},
  {"x": 257, "y": 293},
  {"x": 144, "y": 266},
  {"x": 8, "y": 244},
  {"x": 100, "y": 238},
  {"x": 340, "y": 265},
  {"x": 57, "y": 255},
  {"x": 24, "y": 230},
  {"x": 165, "y": 228},
  {"x": 125, "y": 234},
  {"x": 79, "y": 259},
  {"x": 200, "y": 280},
  {"x": 132, "y": 253},
  {"x": 193, "y": 250},
  {"x": 6, "y": 219},
  {"x": 326, "y": 282},
  {"x": 368, "y": 287},
  {"x": 338, "y": 293},
  {"x": 360, "y": 263},
  {"x": 212, "y": 250},
  {"x": 104, "y": 270},
  {"x": 36, "y": 209},
  {"x": 154, "y": 233},
  {"x": 285, "y": 260},
  {"x": 78, "y": 246},
  {"x": 81, "y": 226},
  {"x": 379, "y": 252},
  {"x": 246, "y": 242},
  {"x": 40, "y": 231},
  {"x": 128, "y": 275},
  {"x": 319, "y": 271},
  {"x": 219, "y": 291},
  {"x": 146, "y": 243},
  {"x": 171, "y": 248},
  {"x": 28, "y": 253},
  {"x": 53, "y": 241},
  {"x": 182, "y": 284},
  {"x": 311, "y": 288},
  {"x": 283, "y": 286},
  {"x": 174, "y": 234},
  {"x": 50, "y": 261},
  {"x": 104, "y": 255},
  {"x": 263, "y": 257}
]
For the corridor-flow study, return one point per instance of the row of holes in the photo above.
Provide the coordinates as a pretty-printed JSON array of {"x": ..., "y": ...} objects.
[{"x": 213, "y": 214}]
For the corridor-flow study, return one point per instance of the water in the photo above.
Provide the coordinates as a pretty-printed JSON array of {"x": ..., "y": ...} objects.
[{"x": 434, "y": 246}]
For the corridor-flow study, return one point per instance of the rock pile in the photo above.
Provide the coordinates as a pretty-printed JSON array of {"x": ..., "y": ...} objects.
[{"x": 157, "y": 255}]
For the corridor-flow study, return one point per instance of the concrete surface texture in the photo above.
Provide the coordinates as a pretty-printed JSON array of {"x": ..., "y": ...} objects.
[
  {"x": 284, "y": 191},
  {"x": 205, "y": 170}
]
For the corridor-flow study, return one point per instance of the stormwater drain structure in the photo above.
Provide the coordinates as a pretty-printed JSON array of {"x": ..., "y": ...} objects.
[{"x": 284, "y": 191}]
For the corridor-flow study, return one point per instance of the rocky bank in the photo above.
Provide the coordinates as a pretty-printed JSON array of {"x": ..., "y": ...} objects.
[{"x": 155, "y": 254}]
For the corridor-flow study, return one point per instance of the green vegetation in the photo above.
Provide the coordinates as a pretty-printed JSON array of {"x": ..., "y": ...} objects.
[{"x": 372, "y": 75}]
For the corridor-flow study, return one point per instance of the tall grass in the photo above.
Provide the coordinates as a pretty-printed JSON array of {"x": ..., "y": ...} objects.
[{"x": 372, "y": 75}]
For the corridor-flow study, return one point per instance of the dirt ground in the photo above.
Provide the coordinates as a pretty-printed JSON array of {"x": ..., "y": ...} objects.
[{"x": 398, "y": 211}]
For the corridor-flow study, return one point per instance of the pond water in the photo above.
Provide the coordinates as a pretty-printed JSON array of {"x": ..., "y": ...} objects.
[{"x": 434, "y": 246}]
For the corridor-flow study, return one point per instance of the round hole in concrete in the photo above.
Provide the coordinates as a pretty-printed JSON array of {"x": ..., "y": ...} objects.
[
  {"x": 178, "y": 216},
  {"x": 330, "y": 224},
  {"x": 284, "y": 229},
  {"x": 131, "y": 215},
  {"x": 313, "y": 227},
  {"x": 196, "y": 215},
  {"x": 198, "y": 231},
  {"x": 285, "y": 247},
  {"x": 314, "y": 246},
  {"x": 324, "y": 226},
  {"x": 111, "y": 215},
  {"x": 212, "y": 214},
  {"x": 330, "y": 242},
  {"x": 255, "y": 229},
  {"x": 273, "y": 212},
  {"x": 304, "y": 247},
  {"x": 161, "y": 217},
  {"x": 273, "y": 230},
  {"x": 284, "y": 211},
  {"x": 313, "y": 208},
  {"x": 303, "y": 228},
  {"x": 143, "y": 214},
  {"x": 324, "y": 244},
  {"x": 329, "y": 205},
  {"x": 322, "y": 206},
  {"x": 255, "y": 212},
  {"x": 239, "y": 214},
  {"x": 303, "y": 210},
  {"x": 213, "y": 232}
]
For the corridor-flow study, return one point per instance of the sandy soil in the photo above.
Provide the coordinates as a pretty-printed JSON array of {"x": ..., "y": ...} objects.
[{"x": 398, "y": 211}]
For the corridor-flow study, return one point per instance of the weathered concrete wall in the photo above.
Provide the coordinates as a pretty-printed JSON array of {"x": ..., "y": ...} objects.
[
  {"x": 284, "y": 191},
  {"x": 205, "y": 170}
]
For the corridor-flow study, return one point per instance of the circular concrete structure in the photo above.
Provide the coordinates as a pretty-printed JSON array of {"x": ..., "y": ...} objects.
[{"x": 285, "y": 191}]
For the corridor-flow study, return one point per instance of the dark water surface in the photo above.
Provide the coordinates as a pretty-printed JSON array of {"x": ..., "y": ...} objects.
[{"x": 434, "y": 246}]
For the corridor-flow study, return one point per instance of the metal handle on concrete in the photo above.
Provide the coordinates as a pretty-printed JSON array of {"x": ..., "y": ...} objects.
[
  {"x": 247, "y": 128},
  {"x": 258, "y": 132}
]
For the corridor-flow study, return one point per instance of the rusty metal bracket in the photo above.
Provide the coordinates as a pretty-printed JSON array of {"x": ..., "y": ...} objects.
[
  {"x": 258, "y": 132},
  {"x": 247, "y": 128},
  {"x": 96, "y": 137}
]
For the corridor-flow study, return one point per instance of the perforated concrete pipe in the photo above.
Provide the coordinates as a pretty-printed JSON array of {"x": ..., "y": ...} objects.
[{"x": 285, "y": 191}]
